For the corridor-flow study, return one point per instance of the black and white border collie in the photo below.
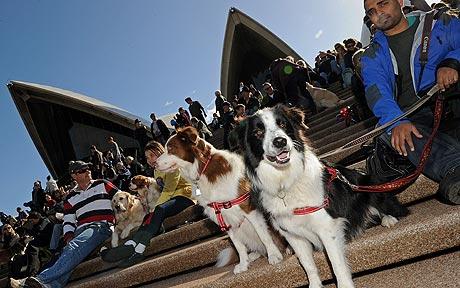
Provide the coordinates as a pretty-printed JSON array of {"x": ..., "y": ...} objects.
[{"x": 287, "y": 176}]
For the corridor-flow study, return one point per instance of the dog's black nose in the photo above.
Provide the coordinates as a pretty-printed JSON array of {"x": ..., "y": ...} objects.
[{"x": 279, "y": 142}]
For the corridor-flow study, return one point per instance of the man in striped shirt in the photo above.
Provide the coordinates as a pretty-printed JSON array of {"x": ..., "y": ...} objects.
[{"x": 88, "y": 221}]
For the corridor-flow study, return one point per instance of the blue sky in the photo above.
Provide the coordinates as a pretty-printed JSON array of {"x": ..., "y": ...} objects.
[{"x": 143, "y": 56}]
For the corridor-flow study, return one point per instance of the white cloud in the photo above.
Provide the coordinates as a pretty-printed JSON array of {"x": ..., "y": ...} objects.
[
  {"x": 319, "y": 33},
  {"x": 209, "y": 112},
  {"x": 168, "y": 103}
]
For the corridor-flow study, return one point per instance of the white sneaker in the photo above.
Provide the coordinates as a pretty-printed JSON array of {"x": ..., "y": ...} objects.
[{"x": 17, "y": 283}]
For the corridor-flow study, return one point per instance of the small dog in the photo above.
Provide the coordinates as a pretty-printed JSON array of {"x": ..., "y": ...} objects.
[
  {"x": 323, "y": 97},
  {"x": 221, "y": 178},
  {"x": 129, "y": 214},
  {"x": 304, "y": 202},
  {"x": 147, "y": 189}
]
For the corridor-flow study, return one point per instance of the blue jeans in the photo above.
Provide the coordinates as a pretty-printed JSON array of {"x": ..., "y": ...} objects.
[
  {"x": 57, "y": 232},
  {"x": 85, "y": 241},
  {"x": 445, "y": 150}
]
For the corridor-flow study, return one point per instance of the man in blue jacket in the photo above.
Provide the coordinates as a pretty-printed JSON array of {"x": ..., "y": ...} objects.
[{"x": 394, "y": 77}]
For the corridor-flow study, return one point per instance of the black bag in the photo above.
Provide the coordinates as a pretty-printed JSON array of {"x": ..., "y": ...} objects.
[{"x": 386, "y": 164}]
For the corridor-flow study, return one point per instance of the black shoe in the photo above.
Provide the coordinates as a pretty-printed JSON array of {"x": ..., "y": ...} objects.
[
  {"x": 33, "y": 282},
  {"x": 449, "y": 188},
  {"x": 133, "y": 260},
  {"x": 118, "y": 253}
]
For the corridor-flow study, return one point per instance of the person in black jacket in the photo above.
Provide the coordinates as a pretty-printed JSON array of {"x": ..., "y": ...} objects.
[
  {"x": 273, "y": 96},
  {"x": 160, "y": 132},
  {"x": 41, "y": 231},
  {"x": 290, "y": 78},
  {"x": 196, "y": 110},
  {"x": 140, "y": 134}
]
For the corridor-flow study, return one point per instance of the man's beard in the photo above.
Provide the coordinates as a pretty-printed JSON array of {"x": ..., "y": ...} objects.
[{"x": 387, "y": 22}]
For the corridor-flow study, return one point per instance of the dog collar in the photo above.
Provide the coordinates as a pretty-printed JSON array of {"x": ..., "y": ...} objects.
[
  {"x": 218, "y": 206},
  {"x": 311, "y": 209},
  {"x": 204, "y": 168}
]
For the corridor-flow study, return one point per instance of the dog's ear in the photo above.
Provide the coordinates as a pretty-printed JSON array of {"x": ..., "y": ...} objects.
[
  {"x": 188, "y": 134},
  {"x": 130, "y": 202},
  {"x": 236, "y": 137},
  {"x": 294, "y": 115},
  {"x": 296, "y": 118}
]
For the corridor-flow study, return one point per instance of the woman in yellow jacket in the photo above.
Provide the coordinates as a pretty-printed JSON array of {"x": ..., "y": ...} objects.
[{"x": 176, "y": 196}]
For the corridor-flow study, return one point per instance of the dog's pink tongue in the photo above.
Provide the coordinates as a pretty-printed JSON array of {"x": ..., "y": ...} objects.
[{"x": 282, "y": 156}]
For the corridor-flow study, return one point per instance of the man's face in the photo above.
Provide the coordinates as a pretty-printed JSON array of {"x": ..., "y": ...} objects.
[
  {"x": 217, "y": 93},
  {"x": 384, "y": 14},
  {"x": 82, "y": 176},
  {"x": 268, "y": 89}
]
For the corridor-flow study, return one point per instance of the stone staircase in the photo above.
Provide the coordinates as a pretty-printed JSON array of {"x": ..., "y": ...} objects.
[{"x": 422, "y": 250}]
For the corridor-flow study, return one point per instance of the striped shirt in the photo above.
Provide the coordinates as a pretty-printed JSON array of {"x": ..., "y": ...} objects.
[{"x": 82, "y": 207}]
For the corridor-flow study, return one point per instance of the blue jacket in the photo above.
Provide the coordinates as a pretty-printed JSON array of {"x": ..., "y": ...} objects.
[{"x": 379, "y": 67}]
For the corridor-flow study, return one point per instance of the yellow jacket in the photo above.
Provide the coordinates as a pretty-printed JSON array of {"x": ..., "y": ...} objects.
[{"x": 174, "y": 185}]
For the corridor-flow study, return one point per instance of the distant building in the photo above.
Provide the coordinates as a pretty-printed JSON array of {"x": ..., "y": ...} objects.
[{"x": 249, "y": 49}]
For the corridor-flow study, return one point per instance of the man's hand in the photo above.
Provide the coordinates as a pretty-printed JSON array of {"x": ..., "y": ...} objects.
[
  {"x": 402, "y": 134},
  {"x": 446, "y": 77}
]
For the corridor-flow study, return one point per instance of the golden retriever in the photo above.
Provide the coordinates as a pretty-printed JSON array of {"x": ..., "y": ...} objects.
[{"x": 129, "y": 213}]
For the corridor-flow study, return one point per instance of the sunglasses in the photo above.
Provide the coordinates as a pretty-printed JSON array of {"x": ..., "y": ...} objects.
[{"x": 81, "y": 171}]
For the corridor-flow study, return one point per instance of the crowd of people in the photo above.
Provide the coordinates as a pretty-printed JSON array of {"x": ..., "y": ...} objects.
[{"x": 38, "y": 239}]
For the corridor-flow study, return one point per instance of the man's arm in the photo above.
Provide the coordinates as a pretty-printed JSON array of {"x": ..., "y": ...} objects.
[
  {"x": 202, "y": 109},
  {"x": 70, "y": 221},
  {"x": 379, "y": 96},
  {"x": 379, "y": 89},
  {"x": 448, "y": 69}
]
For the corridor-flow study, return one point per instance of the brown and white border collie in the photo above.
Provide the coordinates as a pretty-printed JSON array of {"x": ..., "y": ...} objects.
[
  {"x": 220, "y": 176},
  {"x": 147, "y": 189},
  {"x": 288, "y": 176}
]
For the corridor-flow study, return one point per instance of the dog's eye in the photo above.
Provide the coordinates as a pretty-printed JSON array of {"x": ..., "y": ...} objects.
[
  {"x": 281, "y": 123},
  {"x": 259, "y": 133}
]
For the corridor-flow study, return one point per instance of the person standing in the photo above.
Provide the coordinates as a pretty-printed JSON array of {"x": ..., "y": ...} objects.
[
  {"x": 159, "y": 130},
  {"x": 196, "y": 110}
]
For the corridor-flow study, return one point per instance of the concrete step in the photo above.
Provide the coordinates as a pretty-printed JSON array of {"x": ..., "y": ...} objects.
[
  {"x": 431, "y": 227},
  {"x": 435, "y": 271},
  {"x": 181, "y": 236},
  {"x": 315, "y": 119},
  {"x": 339, "y": 131},
  {"x": 194, "y": 256},
  {"x": 332, "y": 145}
]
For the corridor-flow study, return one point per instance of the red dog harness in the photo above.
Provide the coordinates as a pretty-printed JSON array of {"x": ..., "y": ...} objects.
[
  {"x": 311, "y": 209},
  {"x": 218, "y": 206}
]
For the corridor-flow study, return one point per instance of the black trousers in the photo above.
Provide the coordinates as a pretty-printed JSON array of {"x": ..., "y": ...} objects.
[{"x": 152, "y": 222}]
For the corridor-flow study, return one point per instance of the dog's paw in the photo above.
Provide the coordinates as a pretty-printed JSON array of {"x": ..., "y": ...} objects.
[
  {"x": 288, "y": 251},
  {"x": 114, "y": 244},
  {"x": 388, "y": 221},
  {"x": 315, "y": 285},
  {"x": 275, "y": 257},
  {"x": 124, "y": 234},
  {"x": 240, "y": 268}
]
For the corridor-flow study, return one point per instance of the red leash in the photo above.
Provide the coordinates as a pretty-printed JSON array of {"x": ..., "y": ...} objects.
[
  {"x": 385, "y": 187},
  {"x": 218, "y": 206},
  {"x": 398, "y": 183}
]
